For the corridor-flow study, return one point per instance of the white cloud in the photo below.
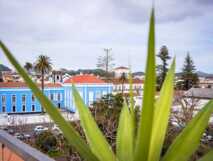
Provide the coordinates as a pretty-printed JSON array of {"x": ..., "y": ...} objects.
[{"x": 74, "y": 33}]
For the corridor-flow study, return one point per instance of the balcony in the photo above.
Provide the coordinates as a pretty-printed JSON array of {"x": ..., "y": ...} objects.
[{"x": 12, "y": 149}]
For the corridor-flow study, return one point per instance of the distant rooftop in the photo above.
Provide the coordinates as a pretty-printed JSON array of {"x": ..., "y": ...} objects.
[
  {"x": 202, "y": 93},
  {"x": 4, "y": 68},
  {"x": 121, "y": 67},
  {"x": 23, "y": 85},
  {"x": 84, "y": 79},
  {"x": 134, "y": 81}
]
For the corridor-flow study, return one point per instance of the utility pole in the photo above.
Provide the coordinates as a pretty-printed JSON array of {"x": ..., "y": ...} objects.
[{"x": 107, "y": 50}]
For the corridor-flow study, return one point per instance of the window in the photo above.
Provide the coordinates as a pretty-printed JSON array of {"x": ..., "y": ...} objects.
[
  {"x": 59, "y": 96},
  {"x": 13, "y": 99},
  {"x": 24, "y": 99},
  {"x": 55, "y": 96},
  {"x": 104, "y": 93},
  {"x": 91, "y": 98},
  {"x": 23, "y": 108},
  {"x": 98, "y": 95},
  {"x": 33, "y": 108},
  {"x": 119, "y": 88},
  {"x": 115, "y": 87},
  {"x": 3, "y": 99},
  {"x": 33, "y": 98},
  {"x": 3, "y": 108},
  {"x": 14, "y": 109},
  {"x": 51, "y": 96}
]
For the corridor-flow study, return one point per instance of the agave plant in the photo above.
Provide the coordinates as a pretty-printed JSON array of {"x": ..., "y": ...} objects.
[{"x": 135, "y": 142}]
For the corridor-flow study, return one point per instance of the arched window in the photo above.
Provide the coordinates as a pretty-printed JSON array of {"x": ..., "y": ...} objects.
[
  {"x": 13, "y": 99},
  {"x": 23, "y": 99},
  {"x": 3, "y": 98},
  {"x": 33, "y": 98},
  {"x": 23, "y": 108},
  {"x": 33, "y": 108},
  {"x": 14, "y": 108},
  {"x": 51, "y": 96},
  {"x": 3, "y": 109},
  {"x": 59, "y": 96}
]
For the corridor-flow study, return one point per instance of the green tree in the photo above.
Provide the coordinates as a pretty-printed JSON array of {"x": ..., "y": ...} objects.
[
  {"x": 162, "y": 68},
  {"x": 43, "y": 66},
  {"x": 189, "y": 75},
  {"x": 28, "y": 66}
]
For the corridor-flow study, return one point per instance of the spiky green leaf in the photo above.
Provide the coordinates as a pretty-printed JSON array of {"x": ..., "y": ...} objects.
[
  {"x": 131, "y": 94},
  {"x": 161, "y": 115},
  {"x": 68, "y": 131},
  {"x": 189, "y": 139},
  {"x": 96, "y": 139},
  {"x": 207, "y": 157},
  {"x": 132, "y": 104},
  {"x": 125, "y": 136},
  {"x": 145, "y": 124}
]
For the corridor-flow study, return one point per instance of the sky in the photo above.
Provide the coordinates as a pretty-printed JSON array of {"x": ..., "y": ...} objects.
[{"x": 74, "y": 33}]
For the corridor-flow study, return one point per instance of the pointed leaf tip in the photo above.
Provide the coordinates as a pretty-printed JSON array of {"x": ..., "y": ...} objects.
[
  {"x": 147, "y": 112},
  {"x": 125, "y": 135}
]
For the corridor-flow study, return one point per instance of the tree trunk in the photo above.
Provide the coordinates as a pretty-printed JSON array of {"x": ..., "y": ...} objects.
[
  {"x": 42, "y": 86},
  {"x": 163, "y": 74}
]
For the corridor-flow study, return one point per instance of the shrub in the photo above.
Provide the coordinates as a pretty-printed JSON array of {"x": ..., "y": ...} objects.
[{"x": 46, "y": 142}]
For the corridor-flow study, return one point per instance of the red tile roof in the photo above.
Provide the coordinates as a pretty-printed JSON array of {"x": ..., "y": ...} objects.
[
  {"x": 84, "y": 79},
  {"x": 23, "y": 85}
]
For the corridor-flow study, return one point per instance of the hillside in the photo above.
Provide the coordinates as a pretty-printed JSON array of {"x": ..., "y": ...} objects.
[
  {"x": 199, "y": 73},
  {"x": 4, "y": 68}
]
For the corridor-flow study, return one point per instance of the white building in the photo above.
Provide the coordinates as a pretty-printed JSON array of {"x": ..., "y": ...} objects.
[
  {"x": 121, "y": 70},
  {"x": 58, "y": 76},
  {"x": 205, "y": 82},
  {"x": 137, "y": 86}
]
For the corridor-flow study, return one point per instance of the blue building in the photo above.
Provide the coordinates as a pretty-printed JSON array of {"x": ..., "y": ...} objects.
[
  {"x": 16, "y": 97},
  {"x": 90, "y": 88}
]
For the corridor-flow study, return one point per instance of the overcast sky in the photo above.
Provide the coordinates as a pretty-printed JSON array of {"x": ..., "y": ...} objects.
[{"x": 74, "y": 32}]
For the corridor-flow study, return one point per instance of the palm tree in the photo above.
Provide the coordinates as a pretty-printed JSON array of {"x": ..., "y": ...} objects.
[
  {"x": 43, "y": 65},
  {"x": 28, "y": 66},
  {"x": 122, "y": 80}
]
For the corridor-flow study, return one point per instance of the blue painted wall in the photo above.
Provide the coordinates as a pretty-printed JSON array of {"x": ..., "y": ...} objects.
[
  {"x": 20, "y": 92},
  {"x": 96, "y": 91},
  {"x": 89, "y": 93}
]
